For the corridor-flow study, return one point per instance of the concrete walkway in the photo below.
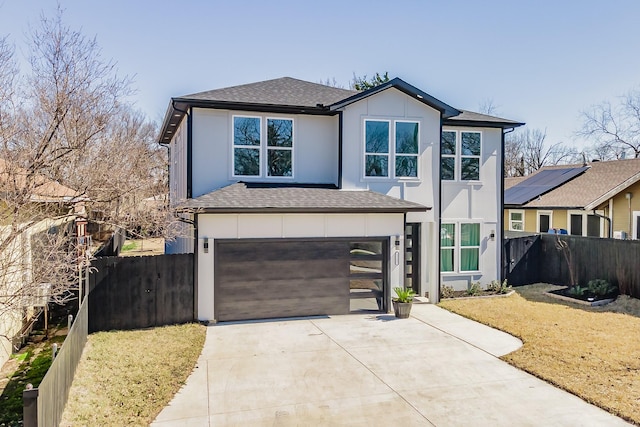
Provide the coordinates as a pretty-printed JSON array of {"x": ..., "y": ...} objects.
[{"x": 434, "y": 369}]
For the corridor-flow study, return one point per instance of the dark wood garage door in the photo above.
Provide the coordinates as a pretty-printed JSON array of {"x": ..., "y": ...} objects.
[{"x": 284, "y": 278}]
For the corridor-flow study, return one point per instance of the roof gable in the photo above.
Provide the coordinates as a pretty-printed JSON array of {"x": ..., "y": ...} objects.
[{"x": 401, "y": 85}]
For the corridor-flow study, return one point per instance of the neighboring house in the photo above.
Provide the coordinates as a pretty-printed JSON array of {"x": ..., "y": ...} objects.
[
  {"x": 308, "y": 199},
  {"x": 30, "y": 210},
  {"x": 599, "y": 199}
]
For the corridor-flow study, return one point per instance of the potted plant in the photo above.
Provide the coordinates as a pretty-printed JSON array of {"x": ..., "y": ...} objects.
[{"x": 402, "y": 303}]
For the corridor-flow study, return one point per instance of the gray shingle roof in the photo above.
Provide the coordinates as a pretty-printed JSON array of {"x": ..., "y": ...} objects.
[
  {"x": 470, "y": 116},
  {"x": 596, "y": 185},
  {"x": 246, "y": 197},
  {"x": 287, "y": 94},
  {"x": 282, "y": 91}
]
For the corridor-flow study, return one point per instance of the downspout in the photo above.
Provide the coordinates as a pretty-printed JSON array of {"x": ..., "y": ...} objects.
[
  {"x": 609, "y": 228},
  {"x": 340, "y": 150},
  {"x": 189, "y": 153},
  {"x": 502, "y": 262},
  {"x": 628, "y": 196},
  {"x": 436, "y": 298}
]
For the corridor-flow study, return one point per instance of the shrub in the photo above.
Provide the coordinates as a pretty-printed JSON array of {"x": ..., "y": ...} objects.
[
  {"x": 498, "y": 288},
  {"x": 447, "y": 291},
  {"x": 474, "y": 288},
  {"x": 577, "y": 290},
  {"x": 600, "y": 287}
]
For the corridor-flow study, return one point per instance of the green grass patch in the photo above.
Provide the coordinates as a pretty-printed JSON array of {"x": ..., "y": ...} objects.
[
  {"x": 128, "y": 377},
  {"x": 128, "y": 247},
  {"x": 35, "y": 362}
]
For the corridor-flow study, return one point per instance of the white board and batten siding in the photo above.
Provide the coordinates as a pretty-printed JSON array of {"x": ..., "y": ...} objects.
[
  {"x": 393, "y": 105},
  {"x": 478, "y": 201},
  {"x": 315, "y": 149},
  {"x": 288, "y": 226},
  {"x": 183, "y": 242}
]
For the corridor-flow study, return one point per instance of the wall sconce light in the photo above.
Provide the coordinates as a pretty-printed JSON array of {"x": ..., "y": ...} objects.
[
  {"x": 397, "y": 240},
  {"x": 628, "y": 196},
  {"x": 205, "y": 246},
  {"x": 492, "y": 235}
]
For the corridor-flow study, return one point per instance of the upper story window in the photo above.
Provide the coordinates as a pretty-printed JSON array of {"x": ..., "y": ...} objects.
[
  {"x": 460, "y": 155},
  {"x": 252, "y": 144},
  {"x": 391, "y": 154}
]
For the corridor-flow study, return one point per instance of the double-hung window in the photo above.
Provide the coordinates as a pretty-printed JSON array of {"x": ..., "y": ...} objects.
[
  {"x": 391, "y": 148},
  {"x": 407, "y": 137},
  {"x": 376, "y": 148},
  {"x": 252, "y": 143},
  {"x": 516, "y": 220},
  {"x": 279, "y": 147},
  {"x": 460, "y": 247},
  {"x": 460, "y": 155}
]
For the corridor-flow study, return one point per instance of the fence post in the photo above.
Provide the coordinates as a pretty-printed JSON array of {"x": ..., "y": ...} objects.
[{"x": 30, "y": 407}]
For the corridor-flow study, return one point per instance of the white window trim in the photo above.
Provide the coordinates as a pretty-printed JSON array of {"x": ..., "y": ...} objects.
[
  {"x": 520, "y": 211},
  {"x": 635, "y": 215},
  {"x": 263, "y": 149},
  {"x": 416, "y": 155},
  {"x": 457, "y": 172},
  {"x": 266, "y": 147},
  {"x": 584, "y": 221},
  {"x": 457, "y": 247},
  {"x": 538, "y": 214},
  {"x": 391, "y": 154}
]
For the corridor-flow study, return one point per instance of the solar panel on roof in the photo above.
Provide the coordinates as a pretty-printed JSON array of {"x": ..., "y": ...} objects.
[{"x": 539, "y": 184}]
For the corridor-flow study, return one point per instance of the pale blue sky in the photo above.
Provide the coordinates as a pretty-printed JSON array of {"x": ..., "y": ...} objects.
[{"x": 541, "y": 62}]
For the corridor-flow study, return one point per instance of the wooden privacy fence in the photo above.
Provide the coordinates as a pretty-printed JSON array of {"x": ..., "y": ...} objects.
[
  {"x": 141, "y": 292},
  {"x": 43, "y": 406},
  {"x": 124, "y": 293},
  {"x": 535, "y": 259}
]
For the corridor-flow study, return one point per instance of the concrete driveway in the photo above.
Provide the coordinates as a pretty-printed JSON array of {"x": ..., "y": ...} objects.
[{"x": 434, "y": 369}]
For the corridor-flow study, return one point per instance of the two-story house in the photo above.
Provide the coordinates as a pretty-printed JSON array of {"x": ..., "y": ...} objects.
[{"x": 305, "y": 199}]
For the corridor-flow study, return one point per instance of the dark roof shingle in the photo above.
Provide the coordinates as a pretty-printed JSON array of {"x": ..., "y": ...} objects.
[
  {"x": 245, "y": 197},
  {"x": 282, "y": 91}
]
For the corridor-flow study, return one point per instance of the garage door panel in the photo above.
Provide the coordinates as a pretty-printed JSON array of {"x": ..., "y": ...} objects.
[
  {"x": 273, "y": 251},
  {"x": 286, "y": 269},
  {"x": 265, "y": 290},
  {"x": 285, "y": 307}
]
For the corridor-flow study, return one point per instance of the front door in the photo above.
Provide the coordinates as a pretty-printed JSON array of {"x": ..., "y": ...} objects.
[{"x": 412, "y": 256}]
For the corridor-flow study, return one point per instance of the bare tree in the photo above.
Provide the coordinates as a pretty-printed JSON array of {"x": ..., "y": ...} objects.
[
  {"x": 526, "y": 152},
  {"x": 615, "y": 129},
  {"x": 488, "y": 106},
  {"x": 70, "y": 145},
  {"x": 331, "y": 82}
]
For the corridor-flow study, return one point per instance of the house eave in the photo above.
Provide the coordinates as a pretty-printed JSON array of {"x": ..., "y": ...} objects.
[
  {"x": 483, "y": 124},
  {"x": 323, "y": 210},
  {"x": 611, "y": 193},
  {"x": 179, "y": 107},
  {"x": 545, "y": 208}
]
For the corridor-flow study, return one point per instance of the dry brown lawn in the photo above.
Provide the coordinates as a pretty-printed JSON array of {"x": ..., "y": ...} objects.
[
  {"x": 125, "y": 378},
  {"x": 591, "y": 352}
]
